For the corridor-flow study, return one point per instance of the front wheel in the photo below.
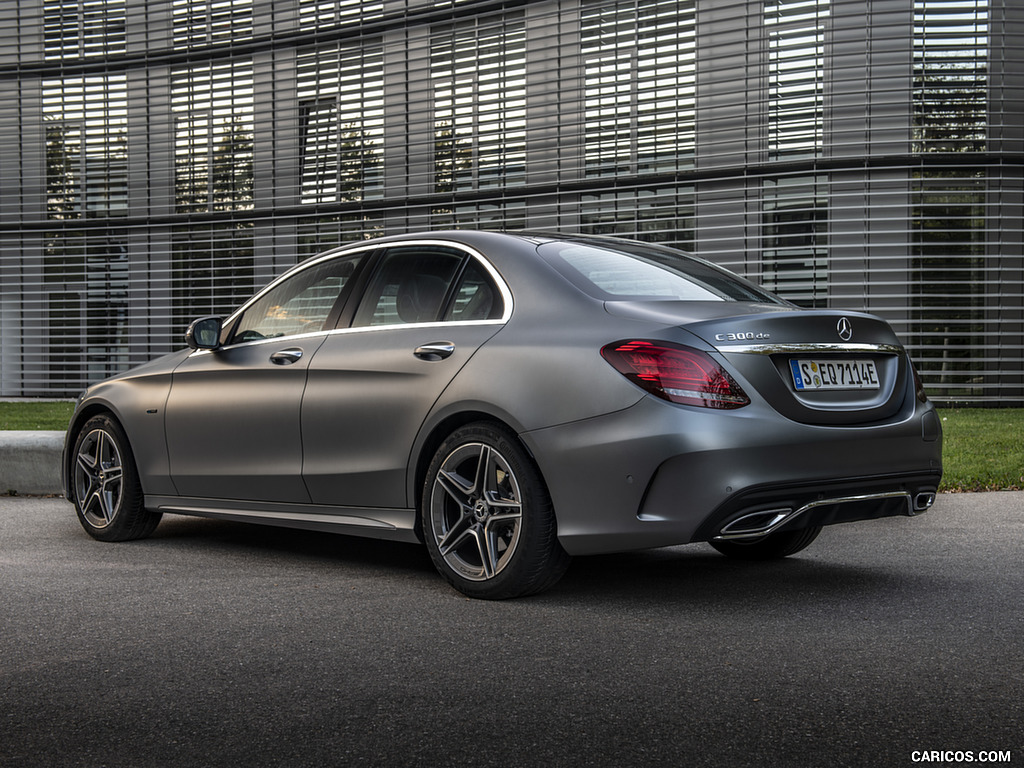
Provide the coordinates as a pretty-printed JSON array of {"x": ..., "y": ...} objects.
[
  {"x": 770, "y": 547},
  {"x": 487, "y": 518},
  {"x": 105, "y": 484}
]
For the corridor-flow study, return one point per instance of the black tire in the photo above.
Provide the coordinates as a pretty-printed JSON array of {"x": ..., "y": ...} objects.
[
  {"x": 105, "y": 484},
  {"x": 487, "y": 518},
  {"x": 771, "y": 547}
]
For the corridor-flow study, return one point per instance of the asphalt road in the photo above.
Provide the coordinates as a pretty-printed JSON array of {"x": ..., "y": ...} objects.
[{"x": 217, "y": 644}]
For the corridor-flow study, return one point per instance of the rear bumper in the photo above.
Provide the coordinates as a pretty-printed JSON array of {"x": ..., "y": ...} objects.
[
  {"x": 658, "y": 474},
  {"x": 760, "y": 512}
]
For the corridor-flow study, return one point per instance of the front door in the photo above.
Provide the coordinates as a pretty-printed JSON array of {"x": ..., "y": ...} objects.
[
  {"x": 233, "y": 422},
  {"x": 233, "y": 415}
]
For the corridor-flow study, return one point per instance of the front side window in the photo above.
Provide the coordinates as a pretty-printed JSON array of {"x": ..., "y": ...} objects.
[{"x": 300, "y": 304}]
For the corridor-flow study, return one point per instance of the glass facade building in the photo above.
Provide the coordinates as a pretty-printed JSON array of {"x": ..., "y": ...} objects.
[{"x": 161, "y": 159}]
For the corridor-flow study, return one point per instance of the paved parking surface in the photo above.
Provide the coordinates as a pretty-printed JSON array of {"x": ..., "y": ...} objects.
[{"x": 225, "y": 644}]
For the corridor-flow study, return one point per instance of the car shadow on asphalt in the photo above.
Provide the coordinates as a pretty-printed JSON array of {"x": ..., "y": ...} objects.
[
  {"x": 694, "y": 576},
  {"x": 687, "y": 575},
  {"x": 295, "y": 544}
]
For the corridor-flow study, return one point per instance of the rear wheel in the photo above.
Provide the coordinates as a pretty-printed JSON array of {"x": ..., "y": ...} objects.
[
  {"x": 770, "y": 547},
  {"x": 105, "y": 484},
  {"x": 487, "y": 517}
]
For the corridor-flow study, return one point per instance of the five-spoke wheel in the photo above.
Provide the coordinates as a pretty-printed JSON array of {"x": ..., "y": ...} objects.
[
  {"x": 476, "y": 511},
  {"x": 99, "y": 477},
  {"x": 487, "y": 517},
  {"x": 107, "y": 492}
]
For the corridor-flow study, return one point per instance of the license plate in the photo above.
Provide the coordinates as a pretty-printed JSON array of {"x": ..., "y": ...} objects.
[{"x": 834, "y": 374}]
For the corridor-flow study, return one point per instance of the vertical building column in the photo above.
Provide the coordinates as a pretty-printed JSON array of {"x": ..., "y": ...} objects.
[
  {"x": 408, "y": 125},
  {"x": 149, "y": 294},
  {"x": 277, "y": 147},
  {"x": 10, "y": 317},
  {"x": 14, "y": 17},
  {"x": 868, "y": 117},
  {"x": 729, "y": 113},
  {"x": 1006, "y": 259},
  {"x": 277, "y": 131},
  {"x": 870, "y": 79},
  {"x": 149, "y": 26},
  {"x": 554, "y": 110},
  {"x": 12, "y": 177},
  {"x": 31, "y": 165},
  {"x": 729, "y": 124},
  {"x": 32, "y": 323},
  {"x": 35, "y": 327},
  {"x": 151, "y": 177},
  {"x": 1005, "y": 255},
  {"x": 848, "y": 136},
  {"x": 151, "y": 193},
  {"x": 150, "y": 173},
  {"x": 10, "y": 37}
]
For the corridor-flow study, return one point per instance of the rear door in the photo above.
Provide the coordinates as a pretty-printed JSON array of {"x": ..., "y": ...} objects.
[{"x": 425, "y": 311}]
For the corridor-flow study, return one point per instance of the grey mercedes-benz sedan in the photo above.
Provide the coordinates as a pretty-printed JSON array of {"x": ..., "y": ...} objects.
[{"x": 511, "y": 400}]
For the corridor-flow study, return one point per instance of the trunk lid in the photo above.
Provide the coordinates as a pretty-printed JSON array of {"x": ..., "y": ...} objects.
[{"x": 826, "y": 367}]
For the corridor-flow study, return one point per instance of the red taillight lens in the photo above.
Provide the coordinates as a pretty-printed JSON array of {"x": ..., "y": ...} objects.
[
  {"x": 676, "y": 373},
  {"x": 919, "y": 385}
]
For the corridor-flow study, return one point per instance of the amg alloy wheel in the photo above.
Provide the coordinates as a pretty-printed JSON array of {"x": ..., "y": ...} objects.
[
  {"x": 487, "y": 517},
  {"x": 107, "y": 493}
]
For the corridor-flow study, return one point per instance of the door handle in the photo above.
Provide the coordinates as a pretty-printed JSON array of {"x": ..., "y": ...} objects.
[
  {"x": 286, "y": 356},
  {"x": 436, "y": 350}
]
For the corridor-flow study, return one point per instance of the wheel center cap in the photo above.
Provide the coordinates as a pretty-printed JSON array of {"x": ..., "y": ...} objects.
[{"x": 480, "y": 511}]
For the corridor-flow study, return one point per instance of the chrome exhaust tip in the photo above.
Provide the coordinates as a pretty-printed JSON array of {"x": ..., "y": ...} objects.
[
  {"x": 755, "y": 524},
  {"x": 923, "y": 501}
]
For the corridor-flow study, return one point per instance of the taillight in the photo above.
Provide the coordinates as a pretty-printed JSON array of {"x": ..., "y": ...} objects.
[
  {"x": 922, "y": 396},
  {"x": 676, "y": 373}
]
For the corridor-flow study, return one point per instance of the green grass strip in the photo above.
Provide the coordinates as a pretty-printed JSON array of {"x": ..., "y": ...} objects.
[
  {"x": 982, "y": 449},
  {"x": 35, "y": 415}
]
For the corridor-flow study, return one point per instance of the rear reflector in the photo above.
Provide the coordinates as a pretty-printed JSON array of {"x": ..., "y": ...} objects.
[{"x": 676, "y": 373}]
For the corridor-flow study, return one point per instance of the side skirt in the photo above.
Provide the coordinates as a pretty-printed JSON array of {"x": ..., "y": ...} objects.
[{"x": 374, "y": 523}]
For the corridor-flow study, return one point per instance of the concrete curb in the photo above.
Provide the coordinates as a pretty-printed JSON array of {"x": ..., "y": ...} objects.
[{"x": 30, "y": 462}]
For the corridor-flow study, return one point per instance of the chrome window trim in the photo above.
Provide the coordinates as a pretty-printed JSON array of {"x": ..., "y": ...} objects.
[
  {"x": 503, "y": 289},
  {"x": 395, "y": 326},
  {"x": 360, "y": 329}
]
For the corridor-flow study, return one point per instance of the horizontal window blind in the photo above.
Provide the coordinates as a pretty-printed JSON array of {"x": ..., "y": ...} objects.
[{"x": 162, "y": 160}]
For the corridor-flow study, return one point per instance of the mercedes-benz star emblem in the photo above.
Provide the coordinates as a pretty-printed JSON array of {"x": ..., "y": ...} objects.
[{"x": 845, "y": 329}]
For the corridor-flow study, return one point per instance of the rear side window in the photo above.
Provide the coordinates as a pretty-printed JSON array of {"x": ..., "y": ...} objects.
[
  {"x": 636, "y": 272},
  {"x": 476, "y": 298},
  {"x": 409, "y": 286}
]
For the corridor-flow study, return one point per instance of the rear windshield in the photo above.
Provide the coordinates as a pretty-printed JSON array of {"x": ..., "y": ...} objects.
[{"x": 636, "y": 272}]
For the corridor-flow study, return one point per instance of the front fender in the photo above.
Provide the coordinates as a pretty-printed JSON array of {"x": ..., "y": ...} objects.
[{"x": 137, "y": 399}]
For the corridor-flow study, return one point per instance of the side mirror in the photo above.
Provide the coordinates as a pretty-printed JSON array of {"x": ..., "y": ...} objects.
[{"x": 204, "y": 333}]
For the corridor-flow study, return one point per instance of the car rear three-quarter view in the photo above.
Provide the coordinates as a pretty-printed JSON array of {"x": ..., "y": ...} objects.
[{"x": 513, "y": 400}]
